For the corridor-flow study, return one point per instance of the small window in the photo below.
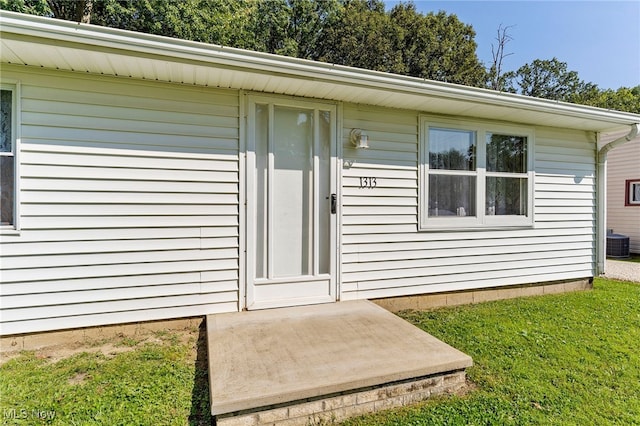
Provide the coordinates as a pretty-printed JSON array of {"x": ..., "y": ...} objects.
[
  {"x": 7, "y": 156},
  {"x": 632, "y": 193},
  {"x": 475, "y": 175}
]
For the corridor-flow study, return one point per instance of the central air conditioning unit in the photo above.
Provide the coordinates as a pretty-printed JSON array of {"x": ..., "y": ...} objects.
[{"x": 617, "y": 246}]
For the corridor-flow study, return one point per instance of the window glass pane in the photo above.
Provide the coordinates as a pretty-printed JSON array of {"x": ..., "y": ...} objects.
[
  {"x": 6, "y": 136},
  {"x": 634, "y": 192},
  {"x": 6, "y": 190},
  {"x": 506, "y": 153},
  {"x": 452, "y": 195},
  {"x": 292, "y": 192},
  {"x": 452, "y": 149},
  {"x": 262, "y": 180},
  {"x": 506, "y": 196},
  {"x": 324, "y": 187}
]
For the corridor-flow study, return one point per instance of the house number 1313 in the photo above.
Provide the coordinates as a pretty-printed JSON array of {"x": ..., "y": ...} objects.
[{"x": 368, "y": 182}]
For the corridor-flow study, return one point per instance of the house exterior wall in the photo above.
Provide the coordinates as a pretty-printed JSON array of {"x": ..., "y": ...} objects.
[
  {"x": 623, "y": 164},
  {"x": 384, "y": 255},
  {"x": 130, "y": 208},
  {"x": 129, "y": 203}
]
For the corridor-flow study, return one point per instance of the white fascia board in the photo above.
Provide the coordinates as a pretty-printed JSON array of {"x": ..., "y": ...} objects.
[{"x": 131, "y": 43}]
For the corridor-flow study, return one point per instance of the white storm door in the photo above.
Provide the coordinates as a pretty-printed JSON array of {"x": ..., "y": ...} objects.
[{"x": 291, "y": 185}]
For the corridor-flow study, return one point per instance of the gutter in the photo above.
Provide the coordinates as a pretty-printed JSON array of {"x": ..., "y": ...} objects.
[
  {"x": 601, "y": 197},
  {"x": 608, "y": 146}
]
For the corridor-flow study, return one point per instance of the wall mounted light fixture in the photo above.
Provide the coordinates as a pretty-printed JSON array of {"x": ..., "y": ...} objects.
[{"x": 359, "y": 139}]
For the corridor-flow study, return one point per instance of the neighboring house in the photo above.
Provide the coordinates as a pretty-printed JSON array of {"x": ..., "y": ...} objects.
[
  {"x": 623, "y": 193},
  {"x": 150, "y": 178}
]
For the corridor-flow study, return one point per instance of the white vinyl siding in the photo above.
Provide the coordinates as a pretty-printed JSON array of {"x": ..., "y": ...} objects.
[
  {"x": 384, "y": 254},
  {"x": 130, "y": 207},
  {"x": 129, "y": 203},
  {"x": 623, "y": 164}
]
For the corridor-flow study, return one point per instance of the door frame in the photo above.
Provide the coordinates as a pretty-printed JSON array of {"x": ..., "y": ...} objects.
[{"x": 247, "y": 174}]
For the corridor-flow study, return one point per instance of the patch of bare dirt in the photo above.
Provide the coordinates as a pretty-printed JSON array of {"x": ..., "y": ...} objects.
[{"x": 109, "y": 347}]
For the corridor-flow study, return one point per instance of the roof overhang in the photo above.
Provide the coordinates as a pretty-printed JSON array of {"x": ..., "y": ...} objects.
[{"x": 55, "y": 44}]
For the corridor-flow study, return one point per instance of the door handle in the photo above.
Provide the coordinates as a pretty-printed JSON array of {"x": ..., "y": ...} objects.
[{"x": 334, "y": 203}]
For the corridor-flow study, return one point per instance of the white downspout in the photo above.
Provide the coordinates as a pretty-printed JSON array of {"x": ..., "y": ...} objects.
[{"x": 601, "y": 197}]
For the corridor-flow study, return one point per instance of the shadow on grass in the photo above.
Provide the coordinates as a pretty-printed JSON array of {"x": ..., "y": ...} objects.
[{"x": 200, "y": 407}]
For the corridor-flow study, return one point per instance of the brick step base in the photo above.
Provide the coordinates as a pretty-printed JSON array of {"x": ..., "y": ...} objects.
[{"x": 338, "y": 407}]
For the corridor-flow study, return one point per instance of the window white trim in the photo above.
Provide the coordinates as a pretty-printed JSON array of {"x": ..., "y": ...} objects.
[
  {"x": 481, "y": 220},
  {"x": 14, "y": 87}
]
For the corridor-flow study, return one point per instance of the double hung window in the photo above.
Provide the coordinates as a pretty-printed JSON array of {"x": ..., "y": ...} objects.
[{"x": 475, "y": 175}]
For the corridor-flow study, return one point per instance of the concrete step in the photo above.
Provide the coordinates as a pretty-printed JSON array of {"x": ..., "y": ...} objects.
[{"x": 309, "y": 360}]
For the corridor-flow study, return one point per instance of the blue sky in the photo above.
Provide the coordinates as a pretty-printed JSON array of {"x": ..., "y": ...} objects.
[{"x": 598, "y": 39}]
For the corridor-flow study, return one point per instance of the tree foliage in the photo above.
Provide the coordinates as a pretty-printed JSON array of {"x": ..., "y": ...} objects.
[
  {"x": 293, "y": 27},
  {"x": 436, "y": 46},
  {"x": 548, "y": 79},
  {"x": 32, "y": 7},
  {"x": 362, "y": 36},
  {"x": 74, "y": 10},
  {"x": 623, "y": 99},
  {"x": 208, "y": 21}
]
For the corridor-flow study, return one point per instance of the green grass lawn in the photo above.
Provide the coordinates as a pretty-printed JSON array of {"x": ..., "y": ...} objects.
[
  {"x": 160, "y": 380},
  {"x": 571, "y": 359}
]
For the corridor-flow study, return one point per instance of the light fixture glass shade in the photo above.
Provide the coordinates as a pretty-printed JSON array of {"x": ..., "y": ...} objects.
[{"x": 359, "y": 139}]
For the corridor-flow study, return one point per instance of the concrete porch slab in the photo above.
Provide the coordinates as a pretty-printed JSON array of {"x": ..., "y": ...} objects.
[{"x": 270, "y": 357}]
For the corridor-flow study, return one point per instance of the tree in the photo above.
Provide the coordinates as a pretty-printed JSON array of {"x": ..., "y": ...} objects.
[
  {"x": 272, "y": 19},
  {"x": 548, "y": 79},
  {"x": 72, "y": 10},
  {"x": 291, "y": 27},
  {"x": 360, "y": 36},
  {"x": 436, "y": 46},
  {"x": 225, "y": 22},
  {"x": 286, "y": 27},
  {"x": 623, "y": 99},
  {"x": 32, "y": 7},
  {"x": 495, "y": 75},
  {"x": 308, "y": 21}
]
